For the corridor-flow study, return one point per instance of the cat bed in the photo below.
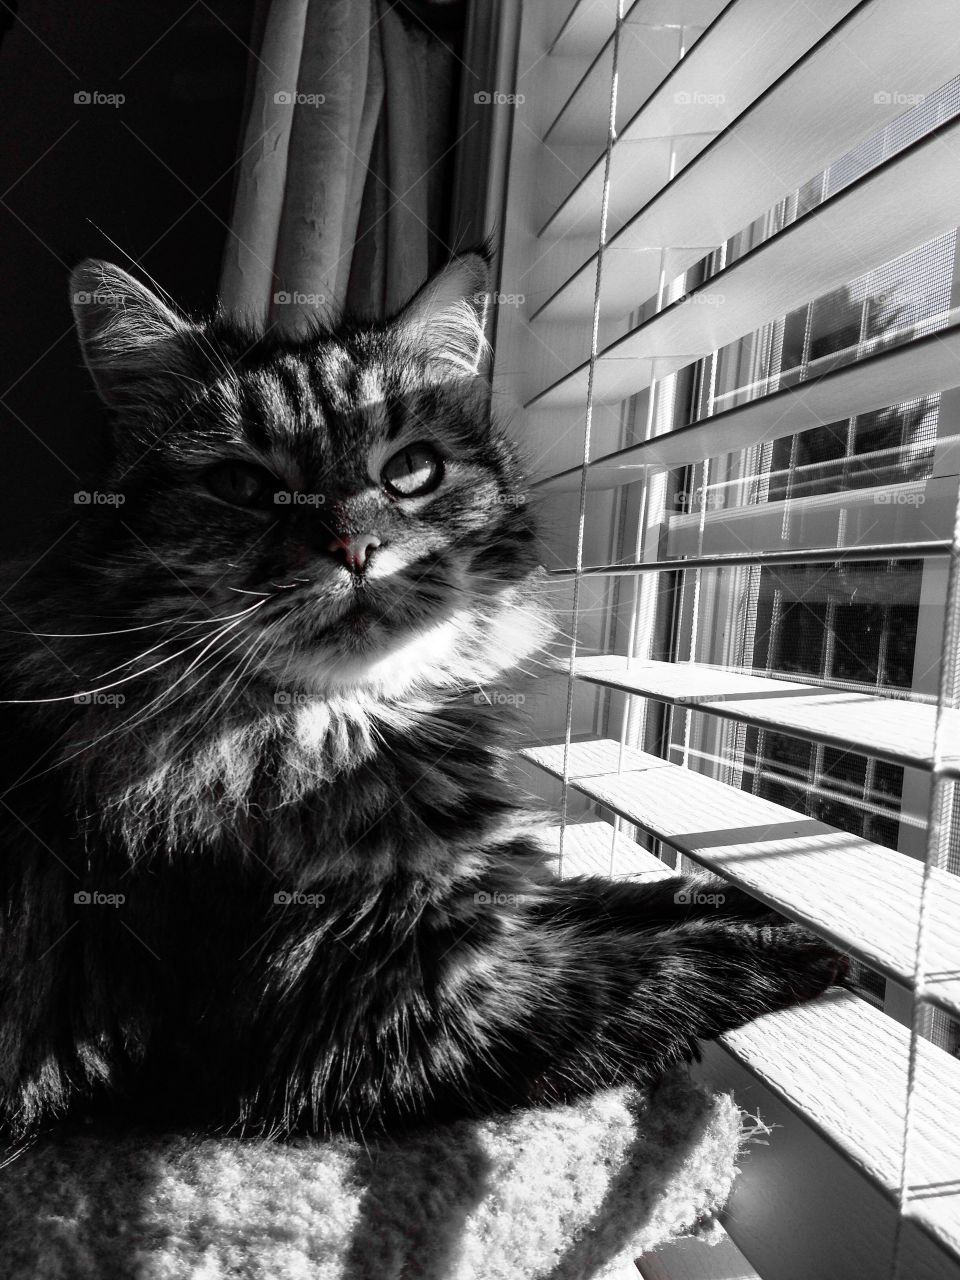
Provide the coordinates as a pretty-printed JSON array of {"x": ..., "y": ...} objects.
[{"x": 551, "y": 1193}]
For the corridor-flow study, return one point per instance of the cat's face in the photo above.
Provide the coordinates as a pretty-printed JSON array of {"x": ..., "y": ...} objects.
[{"x": 347, "y": 493}]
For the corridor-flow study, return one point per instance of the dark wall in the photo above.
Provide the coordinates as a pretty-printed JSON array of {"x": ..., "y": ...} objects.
[{"x": 153, "y": 174}]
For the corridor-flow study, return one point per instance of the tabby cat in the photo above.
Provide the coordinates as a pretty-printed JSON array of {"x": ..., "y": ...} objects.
[{"x": 263, "y": 865}]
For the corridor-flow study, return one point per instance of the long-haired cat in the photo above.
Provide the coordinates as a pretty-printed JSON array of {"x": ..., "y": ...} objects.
[{"x": 261, "y": 861}]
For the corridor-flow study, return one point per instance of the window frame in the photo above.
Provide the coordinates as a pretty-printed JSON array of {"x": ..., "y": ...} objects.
[{"x": 782, "y": 1247}]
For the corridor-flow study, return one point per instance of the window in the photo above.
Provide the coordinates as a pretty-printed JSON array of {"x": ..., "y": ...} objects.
[{"x": 728, "y": 322}]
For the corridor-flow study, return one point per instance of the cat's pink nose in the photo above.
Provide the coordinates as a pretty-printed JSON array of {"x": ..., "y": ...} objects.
[{"x": 354, "y": 550}]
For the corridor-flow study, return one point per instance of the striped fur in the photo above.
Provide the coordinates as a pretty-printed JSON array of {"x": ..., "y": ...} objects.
[{"x": 286, "y": 881}]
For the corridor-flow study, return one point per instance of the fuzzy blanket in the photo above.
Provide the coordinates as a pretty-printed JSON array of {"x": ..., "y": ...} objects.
[{"x": 551, "y": 1194}]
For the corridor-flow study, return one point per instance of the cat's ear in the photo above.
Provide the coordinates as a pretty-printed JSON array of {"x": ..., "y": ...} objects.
[
  {"x": 446, "y": 319},
  {"x": 128, "y": 336}
]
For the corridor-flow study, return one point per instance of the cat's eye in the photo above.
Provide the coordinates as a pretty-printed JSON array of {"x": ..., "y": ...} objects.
[
  {"x": 241, "y": 484},
  {"x": 412, "y": 471}
]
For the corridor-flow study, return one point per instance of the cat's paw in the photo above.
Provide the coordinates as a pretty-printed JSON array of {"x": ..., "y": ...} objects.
[{"x": 801, "y": 965}]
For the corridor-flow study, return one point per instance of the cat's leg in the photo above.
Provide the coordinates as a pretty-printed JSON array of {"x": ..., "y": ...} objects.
[
  {"x": 676, "y": 900},
  {"x": 605, "y": 1003},
  {"x": 485, "y": 1005}
]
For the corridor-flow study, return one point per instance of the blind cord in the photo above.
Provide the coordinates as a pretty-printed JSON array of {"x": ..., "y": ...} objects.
[
  {"x": 588, "y": 422},
  {"x": 938, "y": 830}
]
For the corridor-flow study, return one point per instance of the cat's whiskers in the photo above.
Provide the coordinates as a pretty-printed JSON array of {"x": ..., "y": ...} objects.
[
  {"x": 226, "y": 688},
  {"x": 202, "y": 710},
  {"x": 231, "y": 686},
  {"x": 167, "y": 640},
  {"x": 199, "y": 658},
  {"x": 162, "y": 700},
  {"x": 258, "y": 650},
  {"x": 122, "y": 631},
  {"x": 136, "y": 675},
  {"x": 159, "y": 704},
  {"x": 205, "y": 712},
  {"x": 130, "y": 723}
]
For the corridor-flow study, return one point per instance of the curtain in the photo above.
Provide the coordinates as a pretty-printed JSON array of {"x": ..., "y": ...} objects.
[{"x": 341, "y": 193}]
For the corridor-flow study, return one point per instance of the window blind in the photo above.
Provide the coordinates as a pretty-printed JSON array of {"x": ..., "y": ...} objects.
[{"x": 728, "y": 322}]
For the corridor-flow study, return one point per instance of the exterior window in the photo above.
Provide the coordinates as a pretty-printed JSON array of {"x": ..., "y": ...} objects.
[
  {"x": 732, "y": 379},
  {"x": 855, "y": 624}
]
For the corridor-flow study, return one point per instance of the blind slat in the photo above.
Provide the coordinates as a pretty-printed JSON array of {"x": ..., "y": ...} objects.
[
  {"x": 744, "y": 51},
  {"x": 595, "y": 848},
  {"x": 799, "y": 555},
  {"x": 584, "y": 115},
  {"x": 842, "y": 1065},
  {"x": 577, "y": 24},
  {"x": 816, "y": 112},
  {"x": 863, "y": 897},
  {"x": 911, "y": 199},
  {"x": 921, "y": 367},
  {"x": 884, "y": 513},
  {"x": 888, "y": 728},
  {"x": 589, "y": 22}
]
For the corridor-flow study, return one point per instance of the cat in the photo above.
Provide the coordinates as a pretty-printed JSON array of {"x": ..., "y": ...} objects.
[{"x": 264, "y": 864}]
